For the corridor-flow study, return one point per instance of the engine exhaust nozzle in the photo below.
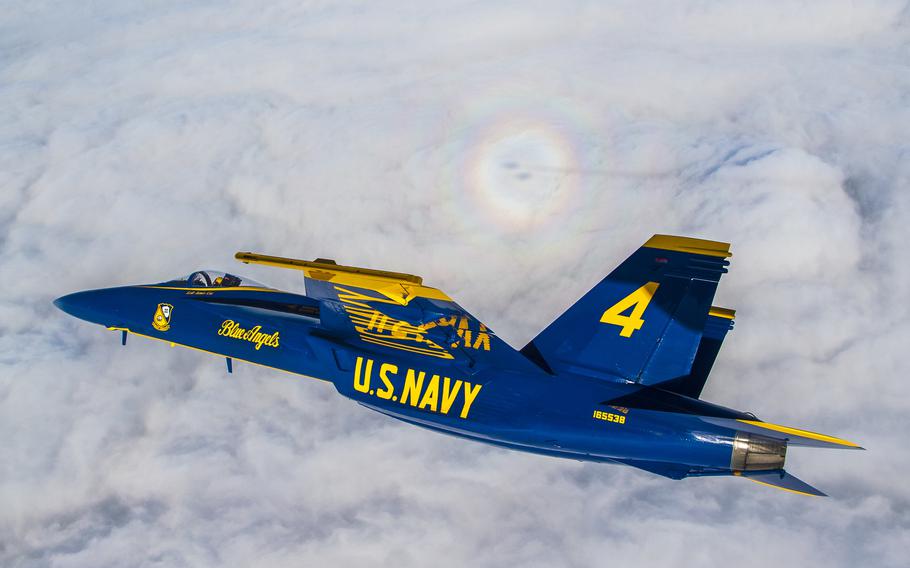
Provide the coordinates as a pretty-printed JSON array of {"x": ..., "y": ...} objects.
[{"x": 752, "y": 452}]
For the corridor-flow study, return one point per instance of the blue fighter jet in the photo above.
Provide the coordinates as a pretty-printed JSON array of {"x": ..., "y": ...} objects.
[{"x": 615, "y": 379}]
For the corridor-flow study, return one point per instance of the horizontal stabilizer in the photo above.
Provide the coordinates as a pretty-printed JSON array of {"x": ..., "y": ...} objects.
[
  {"x": 793, "y": 436},
  {"x": 782, "y": 480}
]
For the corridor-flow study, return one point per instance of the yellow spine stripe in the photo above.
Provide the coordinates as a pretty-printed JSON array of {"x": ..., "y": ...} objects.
[
  {"x": 725, "y": 313},
  {"x": 687, "y": 244},
  {"x": 172, "y": 344},
  {"x": 798, "y": 432}
]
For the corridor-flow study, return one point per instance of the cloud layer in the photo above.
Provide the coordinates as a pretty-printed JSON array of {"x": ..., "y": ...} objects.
[{"x": 510, "y": 153}]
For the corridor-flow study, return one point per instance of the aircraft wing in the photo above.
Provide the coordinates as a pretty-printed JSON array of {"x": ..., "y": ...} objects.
[{"x": 392, "y": 312}]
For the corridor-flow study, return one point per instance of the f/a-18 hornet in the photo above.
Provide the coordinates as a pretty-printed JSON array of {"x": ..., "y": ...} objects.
[{"x": 615, "y": 379}]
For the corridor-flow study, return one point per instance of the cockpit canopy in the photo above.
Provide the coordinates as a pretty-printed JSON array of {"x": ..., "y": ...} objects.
[{"x": 218, "y": 279}]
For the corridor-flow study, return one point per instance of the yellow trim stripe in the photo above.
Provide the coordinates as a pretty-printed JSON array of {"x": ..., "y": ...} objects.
[
  {"x": 397, "y": 286},
  {"x": 787, "y": 489},
  {"x": 173, "y": 343},
  {"x": 214, "y": 288},
  {"x": 690, "y": 245},
  {"x": 725, "y": 313},
  {"x": 801, "y": 433}
]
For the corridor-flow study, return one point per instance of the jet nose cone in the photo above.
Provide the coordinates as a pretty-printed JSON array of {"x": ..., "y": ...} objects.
[
  {"x": 90, "y": 305},
  {"x": 63, "y": 301},
  {"x": 77, "y": 304}
]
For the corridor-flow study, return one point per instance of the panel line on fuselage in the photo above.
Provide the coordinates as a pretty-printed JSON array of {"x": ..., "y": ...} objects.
[{"x": 173, "y": 343}]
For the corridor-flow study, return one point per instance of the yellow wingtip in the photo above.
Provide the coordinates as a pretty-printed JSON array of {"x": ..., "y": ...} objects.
[{"x": 690, "y": 245}]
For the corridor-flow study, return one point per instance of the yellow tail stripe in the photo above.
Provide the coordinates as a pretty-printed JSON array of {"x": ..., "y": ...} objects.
[
  {"x": 690, "y": 245},
  {"x": 725, "y": 313},
  {"x": 798, "y": 432}
]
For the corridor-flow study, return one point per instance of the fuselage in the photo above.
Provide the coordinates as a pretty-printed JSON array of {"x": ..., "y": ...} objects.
[
  {"x": 616, "y": 378},
  {"x": 523, "y": 407}
]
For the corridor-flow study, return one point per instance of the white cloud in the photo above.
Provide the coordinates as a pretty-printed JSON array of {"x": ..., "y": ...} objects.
[{"x": 142, "y": 141}]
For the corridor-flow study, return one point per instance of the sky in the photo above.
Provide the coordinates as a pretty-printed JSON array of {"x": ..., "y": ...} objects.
[{"x": 512, "y": 153}]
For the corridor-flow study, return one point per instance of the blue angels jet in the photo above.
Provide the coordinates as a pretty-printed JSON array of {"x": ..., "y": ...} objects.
[{"x": 615, "y": 379}]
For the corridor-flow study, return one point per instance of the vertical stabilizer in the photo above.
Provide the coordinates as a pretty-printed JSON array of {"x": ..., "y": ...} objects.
[{"x": 644, "y": 322}]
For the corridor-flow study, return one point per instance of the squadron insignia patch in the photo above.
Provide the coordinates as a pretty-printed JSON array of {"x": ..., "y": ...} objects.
[{"x": 162, "y": 319}]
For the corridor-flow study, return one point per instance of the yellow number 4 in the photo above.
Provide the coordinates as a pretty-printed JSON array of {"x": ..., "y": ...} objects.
[{"x": 638, "y": 301}]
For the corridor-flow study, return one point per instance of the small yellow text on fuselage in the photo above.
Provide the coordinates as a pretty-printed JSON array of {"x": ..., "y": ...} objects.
[{"x": 609, "y": 417}]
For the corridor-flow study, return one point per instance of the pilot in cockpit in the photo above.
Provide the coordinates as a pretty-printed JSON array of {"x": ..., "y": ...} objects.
[
  {"x": 199, "y": 278},
  {"x": 203, "y": 279},
  {"x": 226, "y": 281}
]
